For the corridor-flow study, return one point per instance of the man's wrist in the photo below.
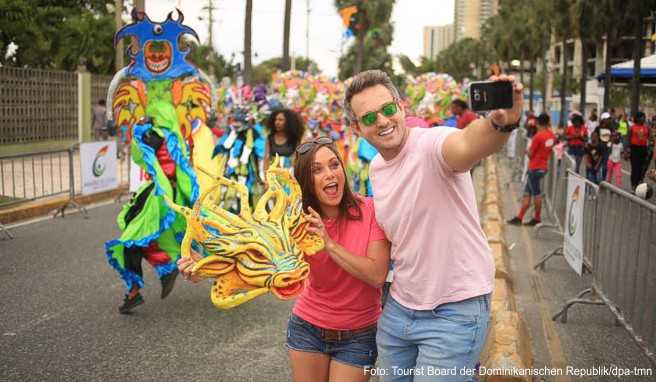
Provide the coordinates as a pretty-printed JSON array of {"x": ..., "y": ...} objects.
[{"x": 503, "y": 128}]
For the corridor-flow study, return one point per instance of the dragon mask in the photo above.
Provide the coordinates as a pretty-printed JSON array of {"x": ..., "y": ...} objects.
[{"x": 253, "y": 252}]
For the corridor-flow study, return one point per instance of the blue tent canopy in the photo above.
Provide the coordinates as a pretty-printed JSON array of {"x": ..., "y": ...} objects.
[{"x": 623, "y": 72}]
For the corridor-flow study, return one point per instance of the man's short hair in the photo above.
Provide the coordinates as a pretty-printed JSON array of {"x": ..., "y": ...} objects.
[
  {"x": 577, "y": 120},
  {"x": 365, "y": 80},
  {"x": 543, "y": 119},
  {"x": 460, "y": 103}
]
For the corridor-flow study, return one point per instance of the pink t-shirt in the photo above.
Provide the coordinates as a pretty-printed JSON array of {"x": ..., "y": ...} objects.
[
  {"x": 429, "y": 214},
  {"x": 333, "y": 299}
]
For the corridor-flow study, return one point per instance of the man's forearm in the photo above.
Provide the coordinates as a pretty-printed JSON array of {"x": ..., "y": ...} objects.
[{"x": 482, "y": 139}]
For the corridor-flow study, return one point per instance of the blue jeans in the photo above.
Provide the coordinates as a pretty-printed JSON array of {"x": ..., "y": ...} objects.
[
  {"x": 424, "y": 345},
  {"x": 577, "y": 152},
  {"x": 592, "y": 174}
]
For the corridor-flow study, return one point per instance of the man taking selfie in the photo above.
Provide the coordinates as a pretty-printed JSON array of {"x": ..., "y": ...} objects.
[{"x": 438, "y": 311}]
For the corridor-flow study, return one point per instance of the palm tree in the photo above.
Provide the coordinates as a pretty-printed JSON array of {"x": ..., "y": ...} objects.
[
  {"x": 247, "y": 42},
  {"x": 373, "y": 32},
  {"x": 612, "y": 13},
  {"x": 538, "y": 36},
  {"x": 563, "y": 29},
  {"x": 589, "y": 29},
  {"x": 285, "y": 40},
  {"x": 639, "y": 11}
]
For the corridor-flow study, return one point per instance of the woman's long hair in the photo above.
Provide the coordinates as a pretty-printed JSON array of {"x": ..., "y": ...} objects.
[
  {"x": 349, "y": 206},
  {"x": 293, "y": 125}
]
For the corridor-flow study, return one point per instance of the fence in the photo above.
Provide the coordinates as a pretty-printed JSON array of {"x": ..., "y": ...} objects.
[
  {"x": 555, "y": 200},
  {"x": 99, "y": 85},
  {"x": 624, "y": 271},
  {"x": 43, "y": 105},
  {"x": 37, "y": 105},
  {"x": 27, "y": 177}
]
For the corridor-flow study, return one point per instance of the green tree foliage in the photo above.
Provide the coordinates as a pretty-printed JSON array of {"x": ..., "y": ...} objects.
[
  {"x": 373, "y": 35},
  {"x": 57, "y": 35},
  {"x": 262, "y": 72},
  {"x": 461, "y": 59},
  {"x": 212, "y": 63},
  {"x": 464, "y": 58}
]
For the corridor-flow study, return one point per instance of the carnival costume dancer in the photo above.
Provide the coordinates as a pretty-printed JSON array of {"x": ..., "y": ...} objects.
[{"x": 174, "y": 100}]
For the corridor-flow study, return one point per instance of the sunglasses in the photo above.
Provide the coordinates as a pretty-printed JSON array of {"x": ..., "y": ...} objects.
[
  {"x": 305, "y": 147},
  {"x": 388, "y": 110}
]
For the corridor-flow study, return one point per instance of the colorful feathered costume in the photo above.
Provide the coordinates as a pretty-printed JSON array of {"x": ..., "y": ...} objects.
[
  {"x": 242, "y": 143},
  {"x": 165, "y": 101}
]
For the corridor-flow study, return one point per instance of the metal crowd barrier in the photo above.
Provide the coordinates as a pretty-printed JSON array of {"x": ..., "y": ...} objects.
[
  {"x": 624, "y": 271},
  {"x": 26, "y": 177},
  {"x": 555, "y": 199},
  {"x": 33, "y": 176},
  {"x": 520, "y": 159}
]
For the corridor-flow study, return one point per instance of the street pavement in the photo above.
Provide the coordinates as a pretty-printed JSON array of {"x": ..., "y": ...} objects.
[{"x": 59, "y": 318}]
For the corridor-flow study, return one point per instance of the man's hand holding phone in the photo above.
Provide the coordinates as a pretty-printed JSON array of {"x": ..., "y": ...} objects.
[{"x": 500, "y": 95}]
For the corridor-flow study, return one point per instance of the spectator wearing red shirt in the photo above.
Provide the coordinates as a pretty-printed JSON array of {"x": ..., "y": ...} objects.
[
  {"x": 461, "y": 111},
  {"x": 538, "y": 153},
  {"x": 577, "y": 135},
  {"x": 530, "y": 124},
  {"x": 639, "y": 140}
]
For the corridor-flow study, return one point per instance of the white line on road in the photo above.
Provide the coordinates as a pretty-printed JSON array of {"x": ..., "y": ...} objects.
[{"x": 48, "y": 217}]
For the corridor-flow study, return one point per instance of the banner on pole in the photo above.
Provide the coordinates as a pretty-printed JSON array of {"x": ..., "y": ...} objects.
[
  {"x": 98, "y": 167},
  {"x": 573, "y": 237}
]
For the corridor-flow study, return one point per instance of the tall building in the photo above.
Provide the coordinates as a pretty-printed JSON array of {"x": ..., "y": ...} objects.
[
  {"x": 437, "y": 39},
  {"x": 470, "y": 15}
]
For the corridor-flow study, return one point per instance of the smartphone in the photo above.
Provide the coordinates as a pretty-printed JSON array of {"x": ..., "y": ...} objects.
[{"x": 490, "y": 95}]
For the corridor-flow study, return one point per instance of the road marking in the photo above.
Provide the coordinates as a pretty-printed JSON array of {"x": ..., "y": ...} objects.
[
  {"x": 49, "y": 217},
  {"x": 552, "y": 339}
]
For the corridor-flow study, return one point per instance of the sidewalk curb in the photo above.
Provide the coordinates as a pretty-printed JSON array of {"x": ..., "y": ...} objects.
[
  {"x": 508, "y": 344},
  {"x": 42, "y": 207}
]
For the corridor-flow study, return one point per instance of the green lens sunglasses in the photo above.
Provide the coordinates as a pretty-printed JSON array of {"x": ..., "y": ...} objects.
[{"x": 388, "y": 110}]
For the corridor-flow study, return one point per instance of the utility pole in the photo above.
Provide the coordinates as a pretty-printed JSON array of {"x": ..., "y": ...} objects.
[
  {"x": 210, "y": 10},
  {"x": 307, "y": 30},
  {"x": 118, "y": 52}
]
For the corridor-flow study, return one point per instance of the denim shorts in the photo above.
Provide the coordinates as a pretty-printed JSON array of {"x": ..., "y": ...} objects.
[
  {"x": 359, "y": 350},
  {"x": 533, "y": 182}
]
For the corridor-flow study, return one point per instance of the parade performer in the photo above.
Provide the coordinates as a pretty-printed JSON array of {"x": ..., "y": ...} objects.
[
  {"x": 164, "y": 101},
  {"x": 242, "y": 148}
]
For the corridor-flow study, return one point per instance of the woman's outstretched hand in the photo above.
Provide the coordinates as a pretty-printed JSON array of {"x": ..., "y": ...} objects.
[{"x": 185, "y": 265}]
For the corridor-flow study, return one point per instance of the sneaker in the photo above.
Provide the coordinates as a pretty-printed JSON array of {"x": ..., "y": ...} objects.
[
  {"x": 130, "y": 303},
  {"x": 515, "y": 221},
  {"x": 533, "y": 222},
  {"x": 168, "y": 281}
]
